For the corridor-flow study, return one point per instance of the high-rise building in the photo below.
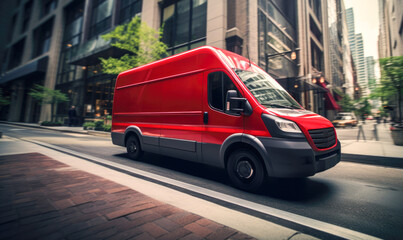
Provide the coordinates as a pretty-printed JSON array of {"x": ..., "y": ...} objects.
[
  {"x": 390, "y": 40},
  {"x": 370, "y": 62},
  {"x": 357, "y": 50},
  {"x": 58, "y": 43},
  {"x": 348, "y": 66},
  {"x": 340, "y": 52}
]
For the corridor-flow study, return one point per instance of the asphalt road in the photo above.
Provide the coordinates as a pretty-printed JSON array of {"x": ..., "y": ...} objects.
[{"x": 364, "y": 198}]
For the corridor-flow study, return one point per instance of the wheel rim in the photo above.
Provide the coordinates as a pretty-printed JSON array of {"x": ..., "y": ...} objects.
[
  {"x": 244, "y": 169},
  {"x": 132, "y": 147}
]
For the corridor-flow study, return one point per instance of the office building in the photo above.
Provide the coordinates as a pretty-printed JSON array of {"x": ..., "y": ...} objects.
[
  {"x": 357, "y": 50},
  {"x": 58, "y": 43}
]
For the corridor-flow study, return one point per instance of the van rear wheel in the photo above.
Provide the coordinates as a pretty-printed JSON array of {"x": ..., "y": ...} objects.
[
  {"x": 245, "y": 170},
  {"x": 133, "y": 148}
]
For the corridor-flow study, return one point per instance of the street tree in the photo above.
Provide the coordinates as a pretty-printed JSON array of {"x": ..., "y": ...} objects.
[
  {"x": 346, "y": 103},
  {"x": 141, "y": 42},
  {"x": 4, "y": 101},
  {"x": 46, "y": 95},
  {"x": 363, "y": 107},
  {"x": 392, "y": 79}
]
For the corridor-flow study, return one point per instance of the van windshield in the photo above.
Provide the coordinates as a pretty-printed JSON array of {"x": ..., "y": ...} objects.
[{"x": 266, "y": 90}]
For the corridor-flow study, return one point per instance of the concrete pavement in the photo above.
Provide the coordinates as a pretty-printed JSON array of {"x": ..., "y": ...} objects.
[
  {"x": 52, "y": 195},
  {"x": 374, "y": 151}
]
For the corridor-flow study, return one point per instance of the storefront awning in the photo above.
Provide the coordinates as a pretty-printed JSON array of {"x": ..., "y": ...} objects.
[
  {"x": 330, "y": 102},
  {"x": 37, "y": 66},
  {"x": 301, "y": 85},
  {"x": 88, "y": 53}
]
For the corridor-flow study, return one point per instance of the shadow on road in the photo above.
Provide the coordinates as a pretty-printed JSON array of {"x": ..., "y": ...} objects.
[{"x": 296, "y": 190}]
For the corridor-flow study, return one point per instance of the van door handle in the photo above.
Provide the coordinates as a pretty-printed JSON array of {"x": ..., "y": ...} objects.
[{"x": 205, "y": 117}]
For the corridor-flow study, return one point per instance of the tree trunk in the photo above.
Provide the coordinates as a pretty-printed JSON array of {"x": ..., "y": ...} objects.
[
  {"x": 51, "y": 112},
  {"x": 399, "y": 101}
]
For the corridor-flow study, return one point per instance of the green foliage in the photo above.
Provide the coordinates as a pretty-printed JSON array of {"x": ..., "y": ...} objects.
[
  {"x": 383, "y": 91},
  {"x": 51, "y": 124},
  {"x": 392, "y": 79},
  {"x": 107, "y": 127},
  {"x": 46, "y": 95},
  {"x": 99, "y": 125},
  {"x": 346, "y": 104},
  {"x": 364, "y": 107},
  {"x": 4, "y": 101},
  {"x": 88, "y": 125},
  {"x": 140, "y": 41}
]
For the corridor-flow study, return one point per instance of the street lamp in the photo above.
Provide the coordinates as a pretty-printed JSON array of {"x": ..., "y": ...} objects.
[{"x": 293, "y": 55}]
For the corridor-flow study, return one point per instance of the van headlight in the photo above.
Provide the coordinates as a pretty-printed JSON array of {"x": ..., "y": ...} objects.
[
  {"x": 282, "y": 128},
  {"x": 287, "y": 125}
]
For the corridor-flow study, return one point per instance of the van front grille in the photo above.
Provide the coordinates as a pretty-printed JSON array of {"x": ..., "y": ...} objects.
[{"x": 323, "y": 138}]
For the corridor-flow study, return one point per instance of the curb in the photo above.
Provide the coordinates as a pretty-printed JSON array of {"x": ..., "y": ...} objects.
[
  {"x": 87, "y": 132},
  {"x": 373, "y": 160},
  {"x": 98, "y": 133},
  {"x": 347, "y": 157}
]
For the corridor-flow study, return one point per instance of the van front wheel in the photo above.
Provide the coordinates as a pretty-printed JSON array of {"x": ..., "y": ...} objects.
[
  {"x": 133, "y": 148},
  {"x": 245, "y": 170}
]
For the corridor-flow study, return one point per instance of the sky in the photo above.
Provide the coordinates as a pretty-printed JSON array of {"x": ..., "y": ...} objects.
[{"x": 366, "y": 22}]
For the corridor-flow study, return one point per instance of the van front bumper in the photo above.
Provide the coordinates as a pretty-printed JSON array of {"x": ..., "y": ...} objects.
[{"x": 295, "y": 157}]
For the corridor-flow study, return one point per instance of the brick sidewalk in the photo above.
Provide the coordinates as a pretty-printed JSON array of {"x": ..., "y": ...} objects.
[{"x": 41, "y": 198}]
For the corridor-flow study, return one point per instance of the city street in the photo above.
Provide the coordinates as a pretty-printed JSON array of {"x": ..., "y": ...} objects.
[{"x": 360, "y": 197}]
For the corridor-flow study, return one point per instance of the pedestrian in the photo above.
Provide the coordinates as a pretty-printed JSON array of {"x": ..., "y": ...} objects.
[
  {"x": 72, "y": 116},
  {"x": 360, "y": 131}
]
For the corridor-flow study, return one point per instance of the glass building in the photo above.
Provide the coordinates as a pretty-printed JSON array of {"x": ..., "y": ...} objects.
[{"x": 58, "y": 43}]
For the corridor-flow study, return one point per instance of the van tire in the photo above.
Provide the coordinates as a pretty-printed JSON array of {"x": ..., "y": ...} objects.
[
  {"x": 133, "y": 148},
  {"x": 245, "y": 170}
]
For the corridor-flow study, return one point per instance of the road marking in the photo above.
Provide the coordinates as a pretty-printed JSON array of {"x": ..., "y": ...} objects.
[{"x": 288, "y": 216}]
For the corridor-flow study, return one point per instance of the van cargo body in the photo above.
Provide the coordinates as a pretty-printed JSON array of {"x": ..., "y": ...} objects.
[{"x": 213, "y": 106}]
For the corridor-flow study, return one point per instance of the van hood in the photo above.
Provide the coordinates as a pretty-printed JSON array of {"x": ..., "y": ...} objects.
[{"x": 305, "y": 119}]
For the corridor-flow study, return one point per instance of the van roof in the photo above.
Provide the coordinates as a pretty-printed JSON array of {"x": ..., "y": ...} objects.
[{"x": 192, "y": 61}]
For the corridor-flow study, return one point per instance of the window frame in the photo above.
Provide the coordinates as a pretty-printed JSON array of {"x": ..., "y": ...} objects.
[
  {"x": 209, "y": 94},
  {"x": 190, "y": 43}
]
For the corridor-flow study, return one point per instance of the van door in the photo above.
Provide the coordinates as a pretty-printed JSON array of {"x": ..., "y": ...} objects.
[
  {"x": 181, "y": 125},
  {"x": 219, "y": 124}
]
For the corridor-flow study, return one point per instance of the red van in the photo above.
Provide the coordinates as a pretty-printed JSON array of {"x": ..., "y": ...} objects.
[{"x": 213, "y": 106}]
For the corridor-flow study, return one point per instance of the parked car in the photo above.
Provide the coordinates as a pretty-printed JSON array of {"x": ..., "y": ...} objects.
[
  {"x": 215, "y": 107},
  {"x": 345, "y": 120}
]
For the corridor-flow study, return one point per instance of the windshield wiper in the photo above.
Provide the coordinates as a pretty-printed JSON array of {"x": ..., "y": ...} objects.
[{"x": 278, "y": 105}]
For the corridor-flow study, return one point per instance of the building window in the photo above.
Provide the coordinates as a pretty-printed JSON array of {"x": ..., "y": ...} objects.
[
  {"x": 17, "y": 51},
  {"x": 101, "y": 17},
  {"x": 98, "y": 99},
  {"x": 129, "y": 9},
  {"x": 12, "y": 27},
  {"x": 48, "y": 6},
  {"x": 26, "y": 16},
  {"x": 317, "y": 57},
  {"x": 71, "y": 39},
  {"x": 316, "y": 6},
  {"x": 42, "y": 38},
  {"x": 274, "y": 40},
  {"x": 184, "y": 23}
]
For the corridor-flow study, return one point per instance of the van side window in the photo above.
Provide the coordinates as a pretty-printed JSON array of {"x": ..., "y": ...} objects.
[{"x": 218, "y": 85}]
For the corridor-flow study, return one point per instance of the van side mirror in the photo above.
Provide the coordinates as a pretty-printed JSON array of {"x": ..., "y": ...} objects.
[{"x": 236, "y": 105}]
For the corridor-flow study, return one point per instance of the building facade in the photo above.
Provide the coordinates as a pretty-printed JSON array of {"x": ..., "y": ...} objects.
[
  {"x": 357, "y": 50},
  {"x": 390, "y": 40},
  {"x": 58, "y": 43}
]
